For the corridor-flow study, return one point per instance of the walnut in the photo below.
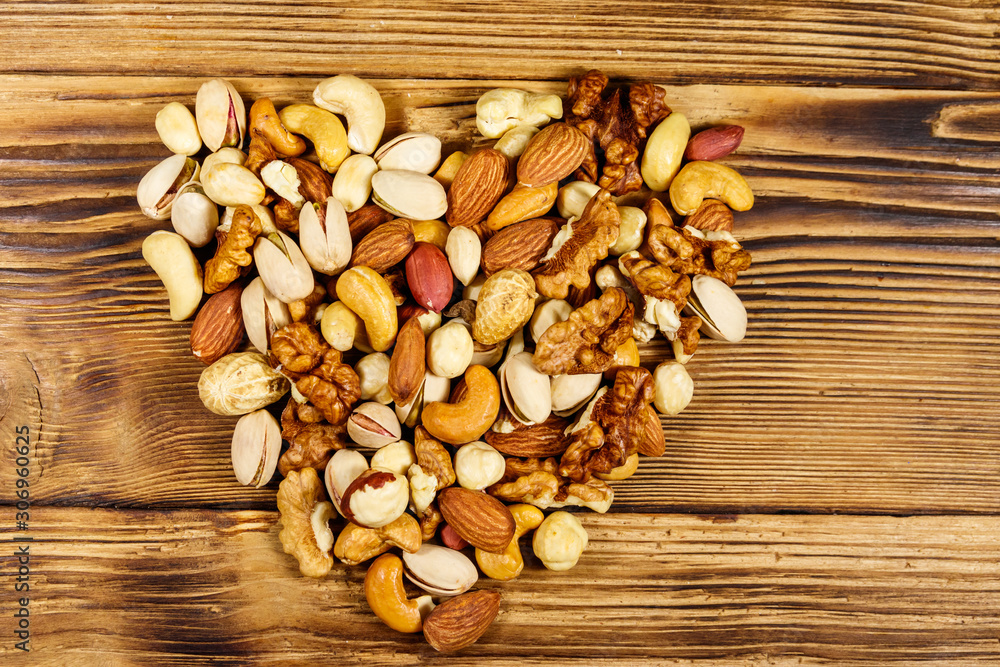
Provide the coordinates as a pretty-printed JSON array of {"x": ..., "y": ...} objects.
[
  {"x": 305, "y": 517},
  {"x": 356, "y": 544},
  {"x": 577, "y": 247},
  {"x": 297, "y": 348},
  {"x": 300, "y": 353},
  {"x": 535, "y": 481},
  {"x": 286, "y": 216},
  {"x": 587, "y": 341},
  {"x": 693, "y": 251},
  {"x": 312, "y": 441},
  {"x": 231, "y": 255},
  {"x": 433, "y": 458},
  {"x": 304, "y": 310},
  {"x": 538, "y": 488},
  {"x": 618, "y": 127},
  {"x": 333, "y": 387},
  {"x": 430, "y": 519},
  {"x": 664, "y": 292},
  {"x": 619, "y": 416},
  {"x": 260, "y": 151},
  {"x": 687, "y": 334}
]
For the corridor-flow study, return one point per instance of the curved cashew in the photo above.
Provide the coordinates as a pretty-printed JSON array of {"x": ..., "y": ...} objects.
[
  {"x": 368, "y": 294},
  {"x": 352, "y": 186},
  {"x": 471, "y": 415},
  {"x": 171, "y": 258},
  {"x": 264, "y": 119},
  {"x": 701, "y": 180},
  {"x": 360, "y": 104},
  {"x": 507, "y": 564},
  {"x": 501, "y": 109},
  {"x": 387, "y": 597},
  {"x": 320, "y": 127}
]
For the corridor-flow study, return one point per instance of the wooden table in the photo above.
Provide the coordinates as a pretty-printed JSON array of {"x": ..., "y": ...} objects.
[{"x": 831, "y": 495}]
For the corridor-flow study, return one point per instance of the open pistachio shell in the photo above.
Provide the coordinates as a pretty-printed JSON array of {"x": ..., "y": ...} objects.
[
  {"x": 570, "y": 392},
  {"x": 723, "y": 315},
  {"x": 159, "y": 187},
  {"x": 409, "y": 194},
  {"x": 440, "y": 570},
  {"x": 414, "y": 151},
  {"x": 526, "y": 392},
  {"x": 263, "y": 313},
  {"x": 194, "y": 216},
  {"x": 256, "y": 446}
]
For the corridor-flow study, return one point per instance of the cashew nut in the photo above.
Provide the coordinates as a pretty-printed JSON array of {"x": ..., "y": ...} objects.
[
  {"x": 387, "y": 597},
  {"x": 352, "y": 186},
  {"x": 471, "y": 414},
  {"x": 322, "y": 128},
  {"x": 340, "y": 326},
  {"x": 702, "y": 180},
  {"x": 360, "y": 104},
  {"x": 171, "y": 258},
  {"x": 662, "y": 158},
  {"x": 504, "y": 108},
  {"x": 264, "y": 119},
  {"x": 368, "y": 294},
  {"x": 507, "y": 564}
]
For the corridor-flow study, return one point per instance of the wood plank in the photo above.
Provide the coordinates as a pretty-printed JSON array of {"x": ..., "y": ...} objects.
[
  {"x": 942, "y": 44},
  {"x": 202, "y": 587},
  {"x": 869, "y": 381}
]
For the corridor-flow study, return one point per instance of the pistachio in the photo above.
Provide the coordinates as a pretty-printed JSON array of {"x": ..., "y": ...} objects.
[
  {"x": 434, "y": 389},
  {"x": 723, "y": 315},
  {"x": 413, "y": 151},
  {"x": 373, "y": 425},
  {"x": 283, "y": 267},
  {"x": 229, "y": 184},
  {"x": 263, "y": 313},
  {"x": 284, "y": 180},
  {"x": 194, "y": 216},
  {"x": 177, "y": 129},
  {"x": 222, "y": 118},
  {"x": 255, "y": 449},
  {"x": 326, "y": 243},
  {"x": 409, "y": 194},
  {"x": 570, "y": 392},
  {"x": 526, "y": 392},
  {"x": 353, "y": 183},
  {"x": 440, "y": 570},
  {"x": 159, "y": 187}
]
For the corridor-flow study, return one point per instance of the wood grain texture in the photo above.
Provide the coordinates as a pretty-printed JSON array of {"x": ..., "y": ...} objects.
[
  {"x": 869, "y": 380},
  {"x": 941, "y": 44},
  {"x": 201, "y": 587}
]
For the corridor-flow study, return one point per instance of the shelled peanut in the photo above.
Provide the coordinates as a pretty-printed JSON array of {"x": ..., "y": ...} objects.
[{"x": 498, "y": 315}]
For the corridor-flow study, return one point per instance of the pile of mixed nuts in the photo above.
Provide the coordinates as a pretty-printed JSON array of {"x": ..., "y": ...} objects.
[{"x": 438, "y": 271}]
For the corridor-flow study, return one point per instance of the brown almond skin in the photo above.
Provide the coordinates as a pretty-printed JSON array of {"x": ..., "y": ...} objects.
[
  {"x": 479, "y": 519},
  {"x": 519, "y": 246},
  {"x": 713, "y": 143},
  {"x": 479, "y": 184},
  {"x": 365, "y": 219},
  {"x": 407, "y": 365},
  {"x": 551, "y": 155},
  {"x": 459, "y": 622},
  {"x": 385, "y": 246},
  {"x": 218, "y": 328}
]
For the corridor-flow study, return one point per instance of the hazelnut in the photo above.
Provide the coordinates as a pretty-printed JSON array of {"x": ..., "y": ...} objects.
[
  {"x": 373, "y": 425},
  {"x": 373, "y": 372},
  {"x": 396, "y": 457},
  {"x": 450, "y": 350},
  {"x": 376, "y": 498},
  {"x": 477, "y": 465},
  {"x": 344, "y": 467},
  {"x": 559, "y": 541},
  {"x": 673, "y": 387}
]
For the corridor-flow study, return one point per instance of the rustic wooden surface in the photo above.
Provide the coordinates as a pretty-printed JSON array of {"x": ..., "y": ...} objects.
[{"x": 868, "y": 384}]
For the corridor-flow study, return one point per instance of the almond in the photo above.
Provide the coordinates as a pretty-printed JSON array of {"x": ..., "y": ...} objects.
[
  {"x": 218, "y": 328},
  {"x": 407, "y": 365},
  {"x": 552, "y": 155},
  {"x": 541, "y": 440},
  {"x": 429, "y": 276},
  {"x": 713, "y": 143},
  {"x": 365, "y": 219},
  {"x": 519, "y": 246},
  {"x": 385, "y": 246},
  {"x": 712, "y": 215},
  {"x": 478, "y": 186},
  {"x": 460, "y": 621},
  {"x": 479, "y": 519}
]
